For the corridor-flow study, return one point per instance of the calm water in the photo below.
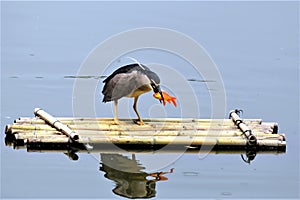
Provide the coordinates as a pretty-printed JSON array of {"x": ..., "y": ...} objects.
[{"x": 254, "y": 45}]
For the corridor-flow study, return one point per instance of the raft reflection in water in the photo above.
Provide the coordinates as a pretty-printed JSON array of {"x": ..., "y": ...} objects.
[{"x": 131, "y": 181}]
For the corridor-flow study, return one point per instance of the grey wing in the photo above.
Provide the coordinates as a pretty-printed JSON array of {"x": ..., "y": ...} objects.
[{"x": 121, "y": 85}]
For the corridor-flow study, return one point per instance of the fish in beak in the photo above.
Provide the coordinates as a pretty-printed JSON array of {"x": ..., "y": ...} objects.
[
  {"x": 164, "y": 96},
  {"x": 156, "y": 90}
]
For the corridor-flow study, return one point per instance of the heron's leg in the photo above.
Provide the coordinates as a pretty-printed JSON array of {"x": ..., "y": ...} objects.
[
  {"x": 135, "y": 110},
  {"x": 116, "y": 120}
]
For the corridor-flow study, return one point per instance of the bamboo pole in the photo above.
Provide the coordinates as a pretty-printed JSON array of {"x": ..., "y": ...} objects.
[
  {"x": 157, "y": 122},
  {"x": 162, "y": 140},
  {"x": 150, "y": 121},
  {"x": 153, "y": 127},
  {"x": 127, "y": 124},
  {"x": 185, "y": 150},
  {"x": 56, "y": 123},
  {"x": 280, "y": 137},
  {"x": 15, "y": 129},
  {"x": 221, "y": 133},
  {"x": 131, "y": 127}
]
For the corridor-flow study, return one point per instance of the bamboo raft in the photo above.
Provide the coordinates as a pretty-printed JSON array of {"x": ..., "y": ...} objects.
[{"x": 45, "y": 133}]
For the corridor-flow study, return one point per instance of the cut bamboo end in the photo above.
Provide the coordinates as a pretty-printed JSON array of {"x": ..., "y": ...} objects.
[
  {"x": 56, "y": 123},
  {"x": 8, "y": 129}
]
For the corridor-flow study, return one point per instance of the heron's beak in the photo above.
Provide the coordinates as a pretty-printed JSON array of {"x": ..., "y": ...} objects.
[
  {"x": 162, "y": 100},
  {"x": 158, "y": 90}
]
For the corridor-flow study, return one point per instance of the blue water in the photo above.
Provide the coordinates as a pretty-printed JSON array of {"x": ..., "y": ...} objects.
[{"x": 255, "y": 46}]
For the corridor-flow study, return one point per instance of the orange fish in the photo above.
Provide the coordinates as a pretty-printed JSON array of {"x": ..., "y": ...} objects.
[{"x": 166, "y": 96}]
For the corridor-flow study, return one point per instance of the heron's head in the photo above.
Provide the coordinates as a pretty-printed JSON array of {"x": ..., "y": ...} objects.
[
  {"x": 154, "y": 82},
  {"x": 156, "y": 89}
]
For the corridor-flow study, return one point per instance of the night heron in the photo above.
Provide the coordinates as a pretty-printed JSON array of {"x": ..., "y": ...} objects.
[{"x": 130, "y": 81}]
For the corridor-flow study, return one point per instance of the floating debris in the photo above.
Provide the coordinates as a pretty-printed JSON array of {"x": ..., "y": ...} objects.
[
  {"x": 86, "y": 77},
  {"x": 190, "y": 173},
  {"x": 199, "y": 80}
]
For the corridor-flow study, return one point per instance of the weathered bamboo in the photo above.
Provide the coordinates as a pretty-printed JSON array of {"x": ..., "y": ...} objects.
[
  {"x": 158, "y": 123},
  {"x": 56, "y": 123},
  {"x": 185, "y": 150},
  {"x": 150, "y": 142},
  {"x": 26, "y": 134},
  {"x": 51, "y": 131},
  {"x": 127, "y": 125},
  {"x": 130, "y": 127},
  {"x": 152, "y": 120},
  {"x": 162, "y": 140},
  {"x": 273, "y": 126},
  {"x": 220, "y": 133}
]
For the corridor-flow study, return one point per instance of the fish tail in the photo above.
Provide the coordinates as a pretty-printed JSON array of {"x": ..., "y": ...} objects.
[{"x": 174, "y": 101}]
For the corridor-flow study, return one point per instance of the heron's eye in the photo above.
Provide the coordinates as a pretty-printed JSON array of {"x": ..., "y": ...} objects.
[{"x": 153, "y": 85}]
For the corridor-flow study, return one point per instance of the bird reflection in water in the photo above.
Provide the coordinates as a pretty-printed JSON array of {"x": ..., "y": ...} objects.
[{"x": 131, "y": 181}]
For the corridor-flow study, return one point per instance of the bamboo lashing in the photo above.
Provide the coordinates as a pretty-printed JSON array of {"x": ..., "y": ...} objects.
[
  {"x": 56, "y": 123},
  {"x": 244, "y": 128}
]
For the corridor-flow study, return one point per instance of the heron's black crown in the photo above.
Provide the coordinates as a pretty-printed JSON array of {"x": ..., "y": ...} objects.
[{"x": 138, "y": 67}]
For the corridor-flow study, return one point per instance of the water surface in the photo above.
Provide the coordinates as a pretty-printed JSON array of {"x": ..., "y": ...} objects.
[{"x": 255, "y": 46}]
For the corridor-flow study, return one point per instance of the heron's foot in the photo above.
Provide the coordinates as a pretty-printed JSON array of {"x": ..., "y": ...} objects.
[
  {"x": 139, "y": 122},
  {"x": 116, "y": 122}
]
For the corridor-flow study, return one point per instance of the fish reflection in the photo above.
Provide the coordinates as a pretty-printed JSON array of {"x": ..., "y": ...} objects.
[{"x": 131, "y": 181}]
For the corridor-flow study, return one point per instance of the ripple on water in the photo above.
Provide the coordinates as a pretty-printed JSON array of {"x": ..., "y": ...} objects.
[
  {"x": 190, "y": 173},
  {"x": 226, "y": 194}
]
